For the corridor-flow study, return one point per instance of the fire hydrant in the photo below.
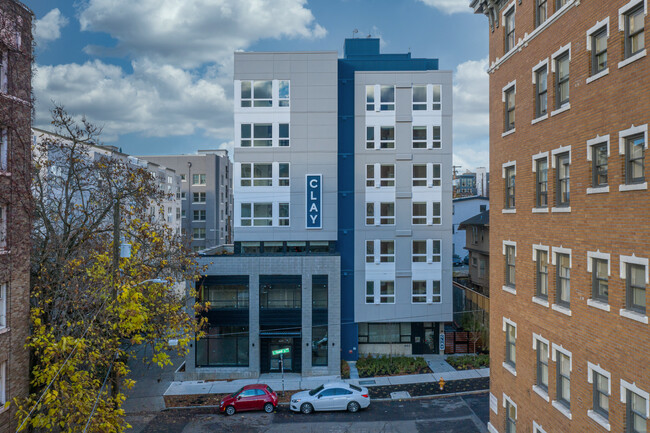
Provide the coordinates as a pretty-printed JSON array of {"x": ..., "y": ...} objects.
[{"x": 441, "y": 382}]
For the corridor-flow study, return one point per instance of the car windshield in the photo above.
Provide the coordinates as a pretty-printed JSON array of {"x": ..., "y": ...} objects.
[
  {"x": 316, "y": 391},
  {"x": 237, "y": 392},
  {"x": 354, "y": 387}
]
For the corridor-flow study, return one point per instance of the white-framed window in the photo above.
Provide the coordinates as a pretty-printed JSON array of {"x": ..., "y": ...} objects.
[
  {"x": 632, "y": 144},
  {"x": 419, "y": 137},
  {"x": 183, "y": 177},
  {"x": 264, "y": 93},
  {"x": 426, "y": 251},
  {"x": 426, "y": 137},
  {"x": 380, "y": 292},
  {"x": 509, "y": 172},
  {"x": 541, "y": 348},
  {"x": 380, "y": 251},
  {"x": 256, "y": 214},
  {"x": 563, "y": 368},
  {"x": 508, "y": 22},
  {"x": 423, "y": 93},
  {"x": 596, "y": 43},
  {"x": 198, "y": 197},
  {"x": 634, "y": 270},
  {"x": 511, "y": 414},
  {"x": 601, "y": 381},
  {"x": 561, "y": 161},
  {"x": 510, "y": 254},
  {"x": 198, "y": 179},
  {"x": 631, "y": 22},
  {"x": 283, "y": 214},
  {"x": 510, "y": 357},
  {"x": 561, "y": 60},
  {"x": 537, "y": 428},
  {"x": 436, "y": 97},
  {"x": 380, "y": 97},
  {"x": 283, "y": 134},
  {"x": 283, "y": 174},
  {"x": 264, "y": 174},
  {"x": 381, "y": 213},
  {"x": 4, "y": 304},
  {"x": 598, "y": 154},
  {"x": 199, "y": 215},
  {"x": 425, "y": 291},
  {"x": 562, "y": 262},
  {"x": 386, "y": 135},
  {"x": 637, "y": 407},
  {"x": 4, "y": 148},
  {"x": 419, "y": 98},
  {"x": 508, "y": 96},
  {"x": 283, "y": 93},
  {"x": 427, "y": 175},
  {"x": 426, "y": 212},
  {"x": 600, "y": 267},
  {"x": 386, "y": 174},
  {"x": 198, "y": 233},
  {"x": 4, "y": 210},
  {"x": 540, "y": 81},
  {"x": 256, "y": 135}
]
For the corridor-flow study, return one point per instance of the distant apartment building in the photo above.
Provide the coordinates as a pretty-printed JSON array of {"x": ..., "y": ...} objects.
[
  {"x": 464, "y": 208},
  {"x": 569, "y": 215},
  {"x": 342, "y": 213},
  {"x": 15, "y": 224},
  {"x": 206, "y": 199},
  {"x": 465, "y": 184},
  {"x": 482, "y": 182}
]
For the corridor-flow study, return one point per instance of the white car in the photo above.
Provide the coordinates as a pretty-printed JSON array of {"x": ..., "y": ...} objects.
[{"x": 331, "y": 396}]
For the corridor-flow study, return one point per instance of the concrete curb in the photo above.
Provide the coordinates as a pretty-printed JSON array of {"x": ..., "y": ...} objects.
[{"x": 419, "y": 397}]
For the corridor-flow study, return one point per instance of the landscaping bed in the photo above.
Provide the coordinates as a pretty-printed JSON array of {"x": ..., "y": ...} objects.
[
  {"x": 369, "y": 366},
  {"x": 469, "y": 362},
  {"x": 345, "y": 369}
]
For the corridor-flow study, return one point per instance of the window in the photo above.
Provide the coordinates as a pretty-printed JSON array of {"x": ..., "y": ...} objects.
[
  {"x": 198, "y": 233},
  {"x": 384, "y": 332},
  {"x": 387, "y": 215},
  {"x": 563, "y": 279},
  {"x": 511, "y": 348},
  {"x": 635, "y": 159},
  {"x": 387, "y": 173},
  {"x": 511, "y": 417},
  {"x": 541, "y": 190},
  {"x": 601, "y": 394},
  {"x": 419, "y": 137},
  {"x": 370, "y": 137},
  {"x": 436, "y": 98},
  {"x": 226, "y": 295},
  {"x": 262, "y": 134},
  {"x": 510, "y": 187},
  {"x": 370, "y": 213},
  {"x": 387, "y": 137},
  {"x": 419, "y": 98},
  {"x": 387, "y": 251},
  {"x": 635, "y": 283},
  {"x": 510, "y": 109},
  {"x": 387, "y": 292},
  {"x": 370, "y": 175},
  {"x": 510, "y": 265},
  {"x": 541, "y": 92},
  {"x": 634, "y": 35},
  {"x": 3, "y": 71},
  {"x": 599, "y": 280},
  {"x": 257, "y": 93},
  {"x": 183, "y": 178},
  {"x": 419, "y": 294},
  {"x": 420, "y": 177},
  {"x": 198, "y": 179},
  {"x": 562, "y": 80},
  {"x": 283, "y": 178},
  {"x": 510, "y": 30},
  {"x": 370, "y": 251},
  {"x": 283, "y": 93},
  {"x": 599, "y": 165},
  {"x": 4, "y": 146},
  {"x": 3, "y": 383},
  {"x": 542, "y": 364},
  {"x": 199, "y": 215},
  {"x": 435, "y": 139},
  {"x": 563, "y": 379},
  {"x": 436, "y": 294},
  {"x": 276, "y": 293},
  {"x": 3, "y": 305},
  {"x": 599, "y": 51},
  {"x": 419, "y": 251},
  {"x": 283, "y": 214},
  {"x": 370, "y": 98},
  {"x": 636, "y": 408},
  {"x": 262, "y": 214},
  {"x": 542, "y": 274},
  {"x": 370, "y": 292},
  {"x": 541, "y": 12},
  {"x": 420, "y": 213},
  {"x": 426, "y": 251},
  {"x": 262, "y": 174},
  {"x": 562, "y": 174},
  {"x": 560, "y": 3},
  {"x": 3, "y": 226},
  {"x": 283, "y": 138},
  {"x": 198, "y": 197},
  {"x": 387, "y": 98}
]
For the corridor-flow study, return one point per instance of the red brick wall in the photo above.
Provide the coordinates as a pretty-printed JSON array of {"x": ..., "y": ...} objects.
[
  {"x": 615, "y": 222},
  {"x": 15, "y": 115}
]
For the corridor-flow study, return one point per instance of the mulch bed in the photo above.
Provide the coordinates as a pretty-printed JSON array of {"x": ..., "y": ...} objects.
[{"x": 211, "y": 399}]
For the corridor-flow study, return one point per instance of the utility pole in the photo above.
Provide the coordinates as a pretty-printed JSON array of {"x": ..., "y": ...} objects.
[{"x": 116, "y": 281}]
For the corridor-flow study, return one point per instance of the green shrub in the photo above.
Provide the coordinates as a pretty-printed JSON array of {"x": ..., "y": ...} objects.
[
  {"x": 469, "y": 362},
  {"x": 345, "y": 369},
  {"x": 369, "y": 366}
]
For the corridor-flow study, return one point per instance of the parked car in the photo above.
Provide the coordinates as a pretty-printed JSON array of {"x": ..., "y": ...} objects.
[
  {"x": 331, "y": 396},
  {"x": 456, "y": 260},
  {"x": 250, "y": 397}
]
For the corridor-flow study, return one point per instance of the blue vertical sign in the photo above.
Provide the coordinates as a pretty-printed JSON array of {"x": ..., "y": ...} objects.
[{"x": 314, "y": 201}]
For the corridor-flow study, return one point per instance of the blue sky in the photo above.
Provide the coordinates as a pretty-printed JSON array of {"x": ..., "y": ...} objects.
[{"x": 157, "y": 74}]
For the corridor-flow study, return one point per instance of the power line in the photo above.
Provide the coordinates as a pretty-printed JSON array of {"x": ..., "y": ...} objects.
[{"x": 97, "y": 399}]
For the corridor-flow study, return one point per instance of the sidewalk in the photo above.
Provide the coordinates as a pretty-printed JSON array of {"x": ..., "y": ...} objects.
[{"x": 379, "y": 387}]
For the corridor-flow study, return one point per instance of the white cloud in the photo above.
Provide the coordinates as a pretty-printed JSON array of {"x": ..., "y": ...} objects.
[
  {"x": 471, "y": 114},
  {"x": 49, "y": 27},
  {"x": 449, "y": 6},
  {"x": 154, "y": 100},
  {"x": 190, "y": 33}
]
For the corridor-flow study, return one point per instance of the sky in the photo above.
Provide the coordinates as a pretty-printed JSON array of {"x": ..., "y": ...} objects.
[{"x": 157, "y": 74}]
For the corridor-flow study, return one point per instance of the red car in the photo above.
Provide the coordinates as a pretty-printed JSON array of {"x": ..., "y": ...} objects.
[{"x": 250, "y": 397}]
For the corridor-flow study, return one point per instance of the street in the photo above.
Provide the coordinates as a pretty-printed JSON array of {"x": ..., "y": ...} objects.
[{"x": 459, "y": 414}]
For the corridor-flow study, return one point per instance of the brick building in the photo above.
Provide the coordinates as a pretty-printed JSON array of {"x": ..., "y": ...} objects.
[
  {"x": 15, "y": 172},
  {"x": 569, "y": 116}
]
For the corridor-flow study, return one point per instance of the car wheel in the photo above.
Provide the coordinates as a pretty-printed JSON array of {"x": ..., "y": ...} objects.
[
  {"x": 306, "y": 408},
  {"x": 353, "y": 407},
  {"x": 230, "y": 410},
  {"x": 268, "y": 408}
]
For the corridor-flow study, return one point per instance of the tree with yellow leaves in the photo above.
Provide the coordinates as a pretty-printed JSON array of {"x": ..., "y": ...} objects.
[{"x": 89, "y": 306}]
